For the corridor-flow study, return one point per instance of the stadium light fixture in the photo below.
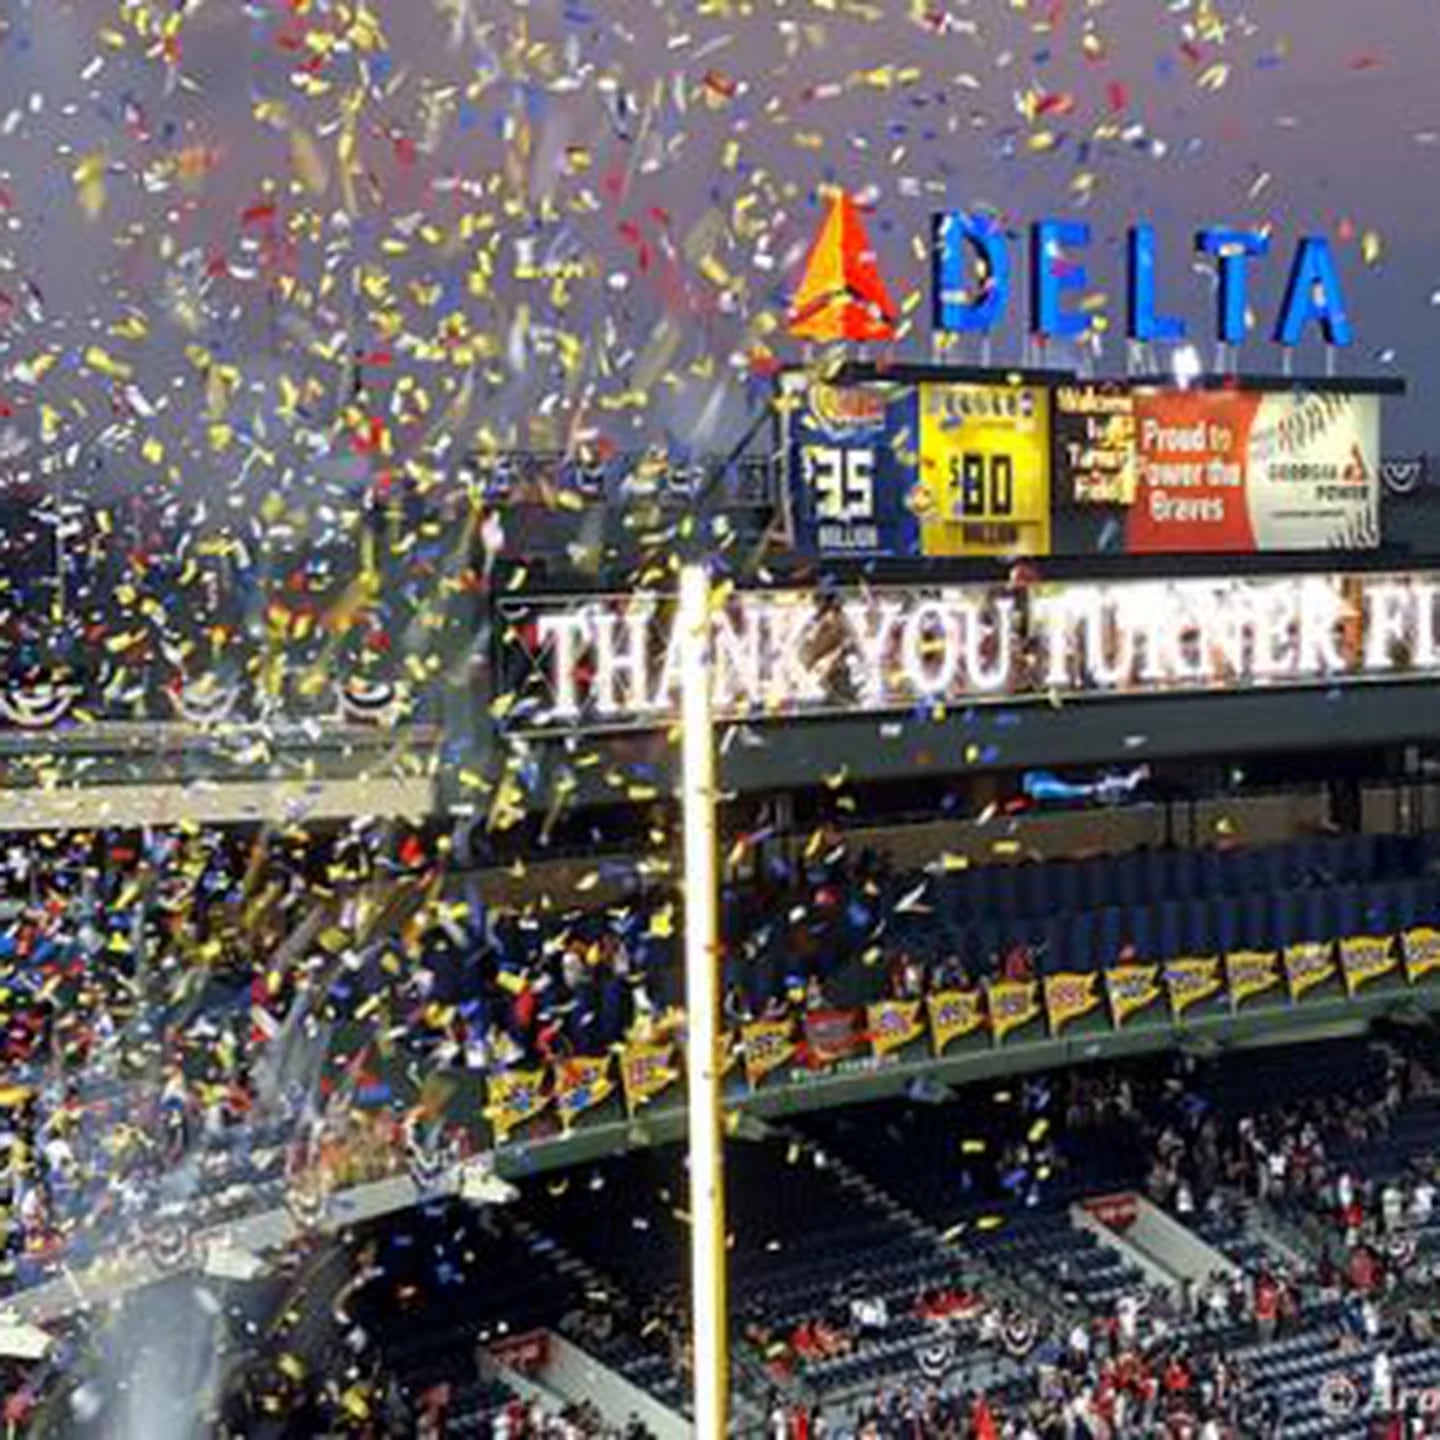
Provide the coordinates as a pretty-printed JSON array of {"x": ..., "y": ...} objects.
[{"x": 709, "y": 1310}]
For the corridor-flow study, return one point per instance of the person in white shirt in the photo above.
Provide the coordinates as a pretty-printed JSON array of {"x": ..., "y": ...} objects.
[
  {"x": 1422, "y": 1203},
  {"x": 1392, "y": 1207},
  {"x": 1382, "y": 1385}
]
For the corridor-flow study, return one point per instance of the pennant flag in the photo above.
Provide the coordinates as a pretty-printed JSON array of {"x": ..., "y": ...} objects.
[
  {"x": 1068, "y": 996},
  {"x": 1131, "y": 988},
  {"x": 1190, "y": 981},
  {"x": 581, "y": 1083},
  {"x": 1250, "y": 972},
  {"x": 1013, "y": 1003},
  {"x": 1422, "y": 952},
  {"x": 768, "y": 1045},
  {"x": 1365, "y": 958},
  {"x": 1308, "y": 965},
  {"x": 953, "y": 1013},
  {"x": 841, "y": 295},
  {"x": 646, "y": 1068},
  {"x": 512, "y": 1098},
  {"x": 893, "y": 1025}
]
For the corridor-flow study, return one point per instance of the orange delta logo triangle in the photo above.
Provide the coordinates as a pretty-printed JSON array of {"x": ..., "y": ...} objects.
[{"x": 841, "y": 295}]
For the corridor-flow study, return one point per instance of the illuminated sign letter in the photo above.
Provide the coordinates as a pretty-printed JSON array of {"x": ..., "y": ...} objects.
[
  {"x": 872, "y": 625},
  {"x": 567, "y": 633},
  {"x": 1389, "y": 613},
  {"x": 1145, "y": 323},
  {"x": 1052, "y": 275},
  {"x": 1313, "y": 293},
  {"x": 917, "y": 643},
  {"x": 622, "y": 660},
  {"x": 954, "y": 309},
  {"x": 1233, "y": 250}
]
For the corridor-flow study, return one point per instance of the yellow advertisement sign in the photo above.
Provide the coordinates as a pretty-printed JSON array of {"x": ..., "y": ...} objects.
[{"x": 984, "y": 485}]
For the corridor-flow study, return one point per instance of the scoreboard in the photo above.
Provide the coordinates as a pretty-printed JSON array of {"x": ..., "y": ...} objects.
[{"x": 974, "y": 467}]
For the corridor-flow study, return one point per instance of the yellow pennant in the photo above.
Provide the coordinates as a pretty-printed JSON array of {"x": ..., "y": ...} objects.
[
  {"x": 1131, "y": 988},
  {"x": 1365, "y": 958},
  {"x": 1190, "y": 981},
  {"x": 512, "y": 1098},
  {"x": 1422, "y": 952},
  {"x": 1012, "y": 1003},
  {"x": 1308, "y": 965},
  {"x": 1250, "y": 972},
  {"x": 893, "y": 1025},
  {"x": 581, "y": 1083},
  {"x": 647, "y": 1067},
  {"x": 768, "y": 1045},
  {"x": 954, "y": 1013},
  {"x": 1068, "y": 996}
]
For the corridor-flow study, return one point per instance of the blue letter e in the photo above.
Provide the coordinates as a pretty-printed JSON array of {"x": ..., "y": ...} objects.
[{"x": 1051, "y": 275}]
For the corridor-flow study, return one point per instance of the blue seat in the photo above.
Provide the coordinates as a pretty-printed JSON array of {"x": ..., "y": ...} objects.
[
  {"x": 1171, "y": 940},
  {"x": 1111, "y": 934},
  {"x": 1083, "y": 951},
  {"x": 1067, "y": 886},
  {"x": 1225, "y": 924},
  {"x": 1348, "y": 908},
  {"x": 1199, "y": 929},
  {"x": 1144, "y": 924}
]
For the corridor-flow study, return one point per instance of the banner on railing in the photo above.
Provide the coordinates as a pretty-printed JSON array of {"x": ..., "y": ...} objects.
[
  {"x": 1249, "y": 973},
  {"x": 1365, "y": 958},
  {"x": 894, "y": 1024},
  {"x": 953, "y": 1015},
  {"x": 832, "y": 1036},
  {"x": 1191, "y": 980},
  {"x": 1422, "y": 952},
  {"x": 768, "y": 1044},
  {"x": 1131, "y": 988},
  {"x": 1012, "y": 1003},
  {"x": 1070, "y": 995},
  {"x": 581, "y": 1083},
  {"x": 647, "y": 1069},
  {"x": 514, "y": 1097},
  {"x": 1307, "y": 965}
]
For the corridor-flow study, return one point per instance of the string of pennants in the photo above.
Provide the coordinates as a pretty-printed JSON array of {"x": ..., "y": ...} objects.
[{"x": 817, "y": 1039}]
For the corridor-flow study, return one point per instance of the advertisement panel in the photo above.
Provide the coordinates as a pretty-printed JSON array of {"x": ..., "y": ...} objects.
[
  {"x": 850, "y": 454},
  {"x": 612, "y": 661},
  {"x": 1244, "y": 471},
  {"x": 1095, "y": 442},
  {"x": 984, "y": 470}
]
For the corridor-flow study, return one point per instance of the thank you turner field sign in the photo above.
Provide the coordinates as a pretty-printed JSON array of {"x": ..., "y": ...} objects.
[{"x": 611, "y": 661}]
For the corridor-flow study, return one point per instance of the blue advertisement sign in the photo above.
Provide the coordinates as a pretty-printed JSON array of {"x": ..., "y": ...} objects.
[{"x": 852, "y": 468}]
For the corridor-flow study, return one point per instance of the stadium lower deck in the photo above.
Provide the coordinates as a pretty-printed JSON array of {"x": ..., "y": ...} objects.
[{"x": 1217, "y": 1238}]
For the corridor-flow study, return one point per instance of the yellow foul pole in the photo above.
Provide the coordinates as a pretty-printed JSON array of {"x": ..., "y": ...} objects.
[{"x": 710, "y": 1315}]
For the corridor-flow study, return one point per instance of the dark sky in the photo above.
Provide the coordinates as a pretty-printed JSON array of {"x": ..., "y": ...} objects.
[{"x": 581, "y": 219}]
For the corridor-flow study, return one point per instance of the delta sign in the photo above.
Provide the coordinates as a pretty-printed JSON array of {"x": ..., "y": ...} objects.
[
  {"x": 842, "y": 295},
  {"x": 1313, "y": 295}
]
